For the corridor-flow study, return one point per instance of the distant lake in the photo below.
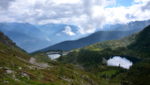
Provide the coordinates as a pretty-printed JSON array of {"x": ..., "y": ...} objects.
[
  {"x": 119, "y": 61},
  {"x": 54, "y": 56}
]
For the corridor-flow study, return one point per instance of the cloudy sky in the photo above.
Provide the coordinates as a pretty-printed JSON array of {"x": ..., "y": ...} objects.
[{"x": 89, "y": 15}]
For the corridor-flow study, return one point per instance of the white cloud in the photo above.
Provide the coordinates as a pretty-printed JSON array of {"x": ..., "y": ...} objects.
[
  {"x": 87, "y": 14},
  {"x": 69, "y": 31},
  {"x": 141, "y": 1},
  {"x": 66, "y": 1},
  {"x": 126, "y": 14}
]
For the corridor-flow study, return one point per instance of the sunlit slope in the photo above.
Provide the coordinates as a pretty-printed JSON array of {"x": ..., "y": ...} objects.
[
  {"x": 137, "y": 45},
  {"x": 10, "y": 53},
  {"x": 19, "y": 68},
  {"x": 92, "y": 59}
]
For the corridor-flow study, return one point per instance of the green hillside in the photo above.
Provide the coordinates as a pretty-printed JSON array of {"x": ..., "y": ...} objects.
[
  {"x": 142, "y": 42},
  {"x": 137, "y": 46},
  {"x": 85, "y": 66},
  {"x": 19, "y": 68}
]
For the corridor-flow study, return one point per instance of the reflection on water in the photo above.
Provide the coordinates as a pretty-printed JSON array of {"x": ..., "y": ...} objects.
[
  {"x": 54, "y": 56},
  {"x": 119, "y": 61}
]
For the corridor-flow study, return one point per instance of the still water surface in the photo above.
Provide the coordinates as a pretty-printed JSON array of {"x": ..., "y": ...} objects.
[{"x": 119, "y": 61}]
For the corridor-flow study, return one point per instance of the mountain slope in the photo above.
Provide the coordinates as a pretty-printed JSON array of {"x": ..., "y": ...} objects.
[
  {"x": 134, "y": 26},
  {"x": 9, "y": 52},
  {"x": 136, "y": 46},
  {"x": 60, "y": 32},
  {"x": 42, "y": 36},
  {"x": 93, "y": 38},
  {"x": 5, "y": 40},
  {"x": 142, "y": 42},
  {"x": 109, "y": 32},
  {"x": 132, "y": 45},
  {"x": 25, "y": 35},
  {"x": 19, "y": 68}
]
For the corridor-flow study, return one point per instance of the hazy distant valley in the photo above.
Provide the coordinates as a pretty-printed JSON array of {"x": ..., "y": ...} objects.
[{"x": 55, "y": 36}]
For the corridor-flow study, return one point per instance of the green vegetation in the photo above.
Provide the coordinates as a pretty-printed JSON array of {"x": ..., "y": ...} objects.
[
  {"x": 139, "y": 74},
  {"x": 85, "y": 66},
  {"x": 17, "y": 68},
  {"x": 136, "y": 46}
]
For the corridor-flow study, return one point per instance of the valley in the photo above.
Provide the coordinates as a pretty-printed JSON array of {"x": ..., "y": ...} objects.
[
  {"x": 90, "y": 65},
  {"x": 47, "y": 36},
  {"x": 74, "y": 42},
  {"x": 103, "y": 63}
]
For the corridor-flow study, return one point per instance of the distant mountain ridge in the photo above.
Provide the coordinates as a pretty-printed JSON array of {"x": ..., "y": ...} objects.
[
  {"x": 134, "y": 26},
  {"x": 34, "y": 37},
  {"x": 31, "y": 37},
  {"x": 24, "y": 35},
  {"x": 91, "y": 39},
  {"x": 110, "y": 32}
]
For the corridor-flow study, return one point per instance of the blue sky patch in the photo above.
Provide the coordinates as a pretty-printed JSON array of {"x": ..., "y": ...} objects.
[{"x": 124, "y": 2}]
